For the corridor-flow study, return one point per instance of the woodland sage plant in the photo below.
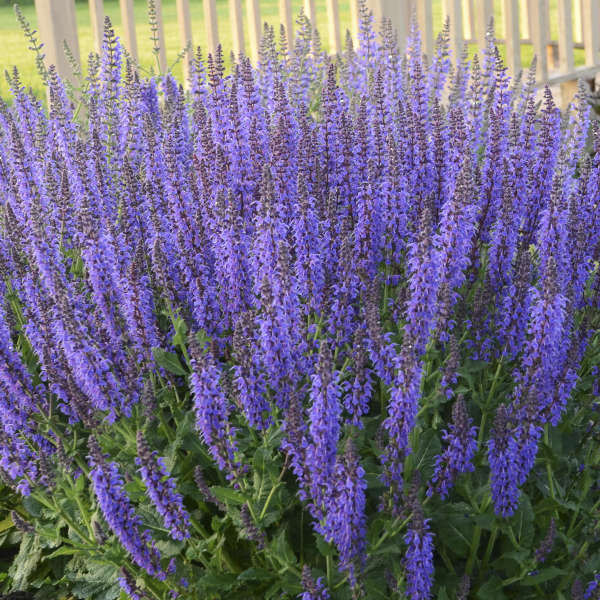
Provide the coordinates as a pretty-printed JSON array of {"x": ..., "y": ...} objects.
[{"x": 323, "y": 328}]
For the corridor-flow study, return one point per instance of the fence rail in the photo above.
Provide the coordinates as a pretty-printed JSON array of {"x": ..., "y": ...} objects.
[{"x": 525, "y": 22}]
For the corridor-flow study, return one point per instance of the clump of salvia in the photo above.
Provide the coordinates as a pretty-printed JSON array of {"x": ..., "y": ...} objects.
[{"x": 302, "y": 282}]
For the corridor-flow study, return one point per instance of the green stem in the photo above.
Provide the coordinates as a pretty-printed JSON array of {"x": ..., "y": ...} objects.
[
  {"x": 328, "y": 563},
  {"x": 263, "y": 512},
  {"x": 489, "y": 549}
]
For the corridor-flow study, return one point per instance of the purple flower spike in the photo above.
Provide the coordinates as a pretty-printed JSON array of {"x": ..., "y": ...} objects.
[{"x": 161, "y": 489}]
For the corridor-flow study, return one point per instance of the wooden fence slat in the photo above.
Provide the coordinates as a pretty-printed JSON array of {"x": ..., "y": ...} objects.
[
  {"x": 453, "y": 9},
  {"x": 237, "y": 27},
  {"x": 160, "y": 30},
  {"x": 512, "y": 36},
  {"x": 97, "y": 22},
  {"x": 212, "y": 27},
  {"x": 525, "y": 18},
  {"x": 483, "y": 15},
  {"x": 470, "y": 31},
  {"x": 577, "y": 22},
  {"x": 311, "y": 12},
  {"x": 286, "y": 19},
  {"x": 254, "y": 27},
  {"x": 591, "y": 31},
  {"x": 128, "y": 23},
  {"x": 354, "y": 21},
  {"x": 400, "y": 14},
  {"x": 538, "y": 26},
  {"x": 566, "y": 61},
  {"x": 57, "y": 24},
  {"x": 425, "y": 20},
  {"x": 185, "y": 35},
  {"x": 333, "y": 19}
]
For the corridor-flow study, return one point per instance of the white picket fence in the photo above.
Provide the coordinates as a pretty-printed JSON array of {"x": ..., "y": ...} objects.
[{"x": 525, "y": 22}]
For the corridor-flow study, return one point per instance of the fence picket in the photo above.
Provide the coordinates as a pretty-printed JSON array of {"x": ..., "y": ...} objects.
[
  {"x": 591, "y": 31},
  {"x": 538, "y": 26},
  {"x": 160, "y": 34},
  {"x": 525, "y": 18},
  {"x": 254, "y": 27},
  {"x": 57, "y": 25},
  {"x": 483, "y": 15},
  {"x": 513, "y": 37},
  {"x": 286, "y": 19},
  {"x": 333, "y": 19},
  {"x": 128, "y": 23},
  {"x": 212, "y": 27},
  {"x": 566, "y": 62},
  {"x": 237, "y": 27},
  {"x": 185, "y": 35},
  {"x": 425, "y": 20},
  {"x": 577, "y": 22},
  {"x": 470, "y": 31},
  {"x": 354, "y": 21},
  {"x": 97, "y": 22},
  {"x": 311, "y": 12},
  {"x": 453, "y": 10}
]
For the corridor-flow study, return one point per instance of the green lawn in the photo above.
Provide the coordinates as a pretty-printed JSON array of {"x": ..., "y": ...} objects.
[{"x": 13, "y": 48}]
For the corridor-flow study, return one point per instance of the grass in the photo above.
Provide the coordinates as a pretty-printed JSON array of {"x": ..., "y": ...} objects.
[{"x": 13, "y": 48}]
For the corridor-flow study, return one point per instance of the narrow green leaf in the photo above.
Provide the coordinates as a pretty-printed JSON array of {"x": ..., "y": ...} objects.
[{"x": 168, "y": 361}]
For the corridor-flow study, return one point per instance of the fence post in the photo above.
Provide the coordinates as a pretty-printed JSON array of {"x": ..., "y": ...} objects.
[
  {"x": 453, "y": 9},
  {"x": 470, "y": 31},
  {"x": 566, "y": 63},
  {"x": 354, "y": 21},
  {"x": 160, "y": 32},
  {"x": 311, "y": 12},
  {"x": 513, "y": 37},
  {"x": 237, "y": 27},
  {"x": 57, "y": 25},
  {"x": 397, "y": 11},
  {"x": 97, "y": 22},
  {"x": 577, "y": 22},
  {"x": 286, "y": 19},
  {"x": 525, "y": 19},
  {"x": 538, "y": 27},
  {"x": 128, "y": 21},
  {"x": 212, "y": 29},
  {"x": 185, "y": 35},
  {"x": 425, "y": 20},
  {"x": 333, "y": 19},
  {"x": 483, "y": 15},
  {"x": 254, "y": 28},
  {"x": 591, "y": 31}
]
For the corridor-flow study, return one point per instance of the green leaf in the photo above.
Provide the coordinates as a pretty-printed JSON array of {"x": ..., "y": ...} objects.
[
  {"x": 32, "y": 506},
  {"x": 226, "y": 495},
  {"x": 543, "y": 576},
  {"x": 181, "y": 329},
  {"x": 6, "y": 524},
  {"x": 255, "y": 574},
  {"x": 222, "y": 582},
  {"x": 522, "y": 522},
  {"x": 443, "y": 594},
  {"x": 491, "y": 589},
  {"x": 282, "y": 549},
  {"x": 63, "y": 551},
  {"x": 25, "y": 562},
  {"x": 423, "y": 459},
  {"x": 324, "y": 547},
  {"x": 168, "y": 361},
  {"x": 454, "y": 525}
]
